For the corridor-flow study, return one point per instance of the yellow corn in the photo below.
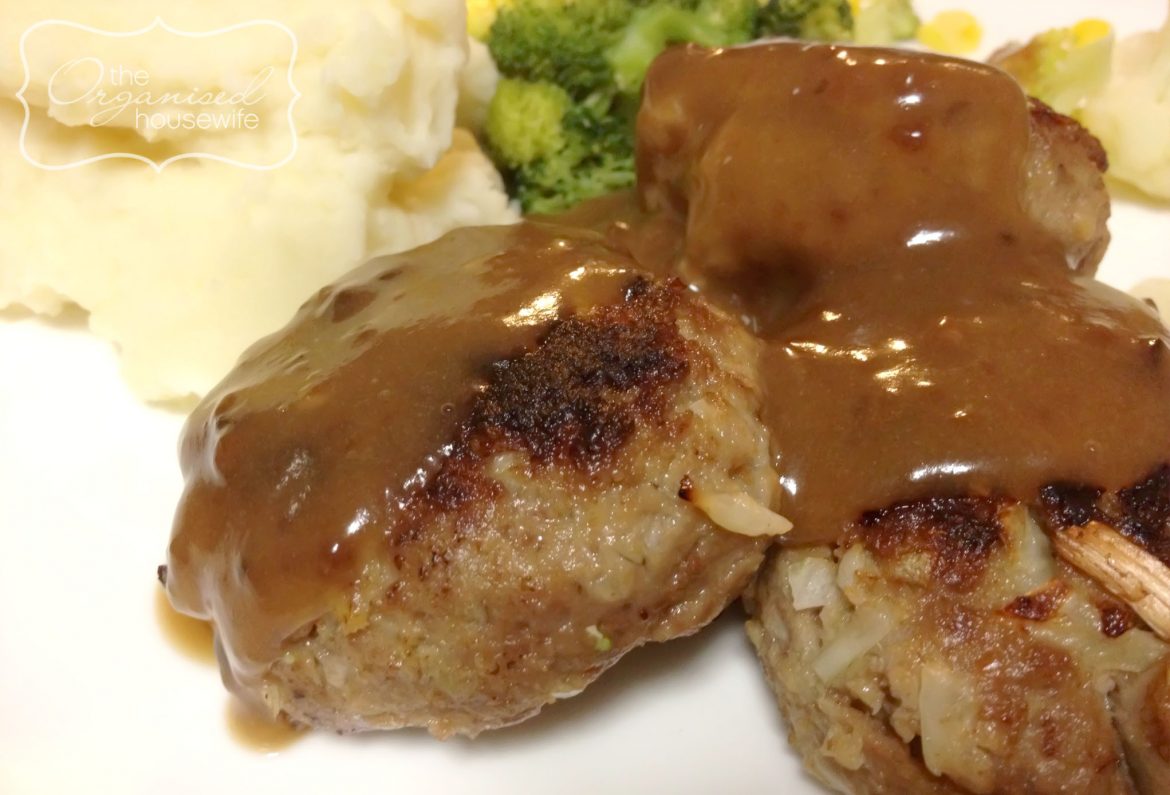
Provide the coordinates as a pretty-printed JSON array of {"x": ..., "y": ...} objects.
[
  {"x": 1088, "y": 31},
  {"x": 951, "y": 32},
  {"x": 481, "y": 14}
]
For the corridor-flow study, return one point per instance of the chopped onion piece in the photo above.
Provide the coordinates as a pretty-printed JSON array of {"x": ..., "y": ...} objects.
[
  {"x": 735, "y": 511},
  {"x": 865, "y": 630},
  {"x": 1077, "y": 628},
  {"x": 947, "y": 711},
  {"x": 813, "y": 582},
  {"x": 1034, "y": 566},
  {"x": 854, "y": 572}
]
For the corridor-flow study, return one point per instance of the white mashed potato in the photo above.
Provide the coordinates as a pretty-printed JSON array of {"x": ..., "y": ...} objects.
[{"x": 184, "y": 268}]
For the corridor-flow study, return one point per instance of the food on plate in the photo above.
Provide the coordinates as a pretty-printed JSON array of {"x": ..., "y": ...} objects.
[
  {"x": 818, "y": 20},
  {"x": 1119, "y": 89},
  {"x": 183, "y": 269},
  {"x": 449, "y": 492},
  {"x": 1063, "y": 66},
  {"x": 942, "y": 647},
  {"x": 946, "y": 389},
  {"x": 561, "y": 126},
  {"x": 851, "y": 304},
  {"x": 883, "y": 21},
  {"x": 951, "y": 32}
]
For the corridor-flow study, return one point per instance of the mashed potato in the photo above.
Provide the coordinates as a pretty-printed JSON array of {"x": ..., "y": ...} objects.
[{"x": 184, "y": 268}]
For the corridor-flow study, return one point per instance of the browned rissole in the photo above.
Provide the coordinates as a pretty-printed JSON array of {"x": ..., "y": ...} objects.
[
  {"x": 465, "y": 480},
  {"x": 950, "y": 687},
  {"x": 930, "y": 328},
  {"x": 941, "y": 375},
  {"x": 446, "y": 495}
]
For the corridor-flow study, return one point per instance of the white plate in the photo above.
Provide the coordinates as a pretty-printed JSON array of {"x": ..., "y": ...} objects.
[{"x": 94, "y": 698}]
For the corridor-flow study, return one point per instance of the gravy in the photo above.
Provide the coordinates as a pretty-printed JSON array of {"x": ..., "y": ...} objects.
[
  {"x": 860, "y": 210},
  {"x": 299, "y": 463}
]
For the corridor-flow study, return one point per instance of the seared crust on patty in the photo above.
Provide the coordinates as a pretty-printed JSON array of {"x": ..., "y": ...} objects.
[
  {"x": 553, "y": 539},
  {"x": 578, "y": 397},
  {"x": 957, "y": 533},
  {"x": 1141, "y": 512},
  {"x": 572, "y": 402}
]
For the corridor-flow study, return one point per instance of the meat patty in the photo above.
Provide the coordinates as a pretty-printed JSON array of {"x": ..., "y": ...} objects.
[
  {"x": 582, "y": 445},
  {"x": 1065, "y": 187},
  {"x": 561, "y": 525},
  {"x": 942, "y": 647},
  {"x": 830, "y": 183},
  {"x": 550, "y": 572}
]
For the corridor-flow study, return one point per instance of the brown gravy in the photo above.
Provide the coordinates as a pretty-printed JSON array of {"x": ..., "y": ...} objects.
[
  {"x": 257, "y": 732},
  {"x": 191, "y": 637},
  {"x": 860, "y": 209},
  {"x": 300, "y": 461},
  {"x": 863, "y": 209}
]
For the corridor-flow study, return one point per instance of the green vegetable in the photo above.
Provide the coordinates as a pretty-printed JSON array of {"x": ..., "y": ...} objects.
[
  {"x": 822, "y": 20},
  {"x": 559, "y": 41},
  {"x": 555, "y": 153},
  {"x": 712, "y": 23},
  {"x": 526, "y": 121},
  {"x": 561, "y": 126},
  {"x": 884, "y": 21},
  {"x": 601, "y": 641},
  {"x": 555, "y": 126}
]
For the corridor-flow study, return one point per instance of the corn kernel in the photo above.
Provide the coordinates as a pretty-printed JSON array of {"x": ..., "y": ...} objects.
[
  {"x": 1088, "y": 31},
  {"x": 481, "y": 14},
  {"x": 951, "y": 32}
]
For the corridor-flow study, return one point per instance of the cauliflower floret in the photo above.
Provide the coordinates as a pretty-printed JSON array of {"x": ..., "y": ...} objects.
[{"x": 1131, "y": 114}]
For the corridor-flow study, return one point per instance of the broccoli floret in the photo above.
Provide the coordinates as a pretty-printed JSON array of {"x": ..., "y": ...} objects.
[
  {"x": 821, "y": 20},
  {"x": 597, "y": 158},
  {"x": 713, "y": 23},
  {"x": 884, "y": 21},
  {"x": 559, "y": 41},
  {"x": 525, "y": 121},
  {"x": 561, "y": 126},
  {"x": 555, "y": 152}
]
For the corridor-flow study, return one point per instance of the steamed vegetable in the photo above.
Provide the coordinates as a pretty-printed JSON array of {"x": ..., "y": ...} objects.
[
  {"x": 1063, "y": 66},
  {"x": 954, "y": 32},
  {"x": 1131, "y": 114},
  {"x": 883, "y": 21},
  {"x": 554, "y": 150},
  {"x": 480, "y": 16},
  {"x": 1119, "y": 90},
  {"x": 561, "y": 125},
  {"x": 825, "y": 20},
  {"x": 712, "y": 23}
]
